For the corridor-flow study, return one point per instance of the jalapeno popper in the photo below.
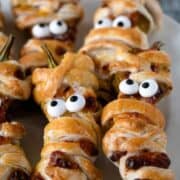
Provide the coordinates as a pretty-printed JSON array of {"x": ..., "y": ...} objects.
[
  {"x": 67, "y": 95},
  {"x": 13, "y": 86},
  {"x": 51, "y": 22},
  {"x": 119, "y": 28}
]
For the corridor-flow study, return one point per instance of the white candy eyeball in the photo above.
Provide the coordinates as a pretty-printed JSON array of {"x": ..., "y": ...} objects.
[
  {"x": 75, "y": 103},
  {"x": 122, "y": 21},
  {"x": 56, "y": 107},
  {"x": 148, "y": 88},
  {"x": 41, "y": 30},
  {"x": 58, "y": 27},
  {"x": 128, "y": 87},
  {"x": 103, "y": 23}
]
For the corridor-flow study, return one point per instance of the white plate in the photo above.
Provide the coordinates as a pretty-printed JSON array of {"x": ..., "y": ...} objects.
[{"x": 170, "y": 35}]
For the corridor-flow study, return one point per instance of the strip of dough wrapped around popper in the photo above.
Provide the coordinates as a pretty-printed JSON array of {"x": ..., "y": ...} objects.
[
  {"x": 135, "y": 140},
  {"x": 13, "y": 162},
  {"x": 119, "y": 28},
  {"x": 67, "y": 95},
  {"x": 51, "y": 22},
  {"x": 14, "y": 83}
]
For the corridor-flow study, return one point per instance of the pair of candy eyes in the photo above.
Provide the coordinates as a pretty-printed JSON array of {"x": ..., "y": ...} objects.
[
  {"x": 120, "y": 21},
  {"x": 147, "y": 88},
  {"x": 56, "y": 27},
  {"x": 57, "y": 107}
]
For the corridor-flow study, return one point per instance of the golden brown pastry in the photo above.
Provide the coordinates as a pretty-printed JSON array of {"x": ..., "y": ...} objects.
[
  {"x": 135, "y": 141},
  {"x": 67, "y": 95},
  {"x": 14, "y": 84},
  {"x": 51, "y": 22},
  {"x": 13, "y": 162}
]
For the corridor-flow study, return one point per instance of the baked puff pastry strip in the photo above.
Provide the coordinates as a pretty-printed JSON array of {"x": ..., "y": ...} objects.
[
  {"x": 53, "y": 23},
  {"x": 14, "y": 164},
  {"x": 135, "y": 140},
  {"x": 67, "y": 95}
]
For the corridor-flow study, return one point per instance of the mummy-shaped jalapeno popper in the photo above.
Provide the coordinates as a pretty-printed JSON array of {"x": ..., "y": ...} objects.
[
  {"x": 151, "y": 83},
  {"x": 13, "y": 162},
  {"x": 135, "y": 141},
  {"x": 123, "y": 21},
  {"x": 14, "y": 84},
  {"x": 51, "y": 22},
  {"x": 67, "y": 95},
  {"x": 119, "y": 27}
]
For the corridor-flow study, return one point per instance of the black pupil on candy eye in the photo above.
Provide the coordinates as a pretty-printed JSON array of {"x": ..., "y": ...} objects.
[
  {"x": 59, "y": 23},
  {"x": 121, "y": 24},
  {"x": 42, "y": 25},
  {"x": 145, "y": 85},
  {"x": 73, "y": 98},
  {"x": 54, "y": 103},
  {"x": 100, "y": 22},
  {"x": 130, "y": 82}
]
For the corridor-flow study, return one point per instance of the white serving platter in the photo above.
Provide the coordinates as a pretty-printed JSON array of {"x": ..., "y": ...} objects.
[{"x": 169, "y": 34}]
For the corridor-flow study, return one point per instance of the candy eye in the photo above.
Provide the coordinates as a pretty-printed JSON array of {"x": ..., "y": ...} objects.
[
  {"x": 75, "y": 103},
  {"x": 122, "y": 21},
  {"x": 56, "y": 108},
  {"x": 103, "y": 23},
  {"x": 128, "y": 87},
  {"x": 148, "y": 88},
  {"x": 40, "y": 30},
  {"x": 58, "y": 27}
]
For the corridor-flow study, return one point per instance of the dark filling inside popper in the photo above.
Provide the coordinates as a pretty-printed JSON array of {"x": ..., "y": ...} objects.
[
  {"x": 5, "y": 140},
  {"x": 141, "y": 21},
  {"x": 59, "y": 159},
  {"x": 117, "y": 155},
  {"x": 6, "y": 102},
  {"x": 20, "y": 74},
  {"x": 88, "y": 147},
  {"x": 19, "y": 175},
  {"x": 156, "y": 159}
]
